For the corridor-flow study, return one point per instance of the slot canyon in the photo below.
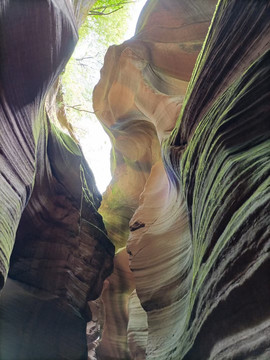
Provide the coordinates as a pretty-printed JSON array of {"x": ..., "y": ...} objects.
[{"x": 172, "y": 262}]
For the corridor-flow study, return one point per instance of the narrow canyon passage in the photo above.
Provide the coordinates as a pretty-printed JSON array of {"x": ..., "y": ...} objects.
[{"x": 172, "y": 261}]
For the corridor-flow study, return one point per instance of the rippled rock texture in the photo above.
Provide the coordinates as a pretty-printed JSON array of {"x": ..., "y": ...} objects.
[
  {"x": 189, "y": 199},
  {"x": 187, "y": 110},
  {"x": 48, "y": 218}
]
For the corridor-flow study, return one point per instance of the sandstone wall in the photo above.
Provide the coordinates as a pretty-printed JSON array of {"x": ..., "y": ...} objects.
[
  {"x": 191, "y": 179},
  {"x": 48, "y": 214}
]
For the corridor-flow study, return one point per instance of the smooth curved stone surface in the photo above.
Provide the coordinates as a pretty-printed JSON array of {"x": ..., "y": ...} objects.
[
  {"x": 27, "y": 72},
  {"x": 49, "y": 199},
  {"x": 199, "y": 216},
  {"x": 137, "y": 328},
  {"x": 115, "y": 297}
]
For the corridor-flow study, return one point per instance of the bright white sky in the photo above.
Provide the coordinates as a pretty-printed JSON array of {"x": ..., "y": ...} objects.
[
  {"x": 137, "y": 8},
  {"x": 95, "y": 142}
]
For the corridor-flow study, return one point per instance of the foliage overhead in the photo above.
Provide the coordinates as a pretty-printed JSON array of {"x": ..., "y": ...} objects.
[
  {"x": 108, "y": 20},
  {"x": 106, "y": 24}
]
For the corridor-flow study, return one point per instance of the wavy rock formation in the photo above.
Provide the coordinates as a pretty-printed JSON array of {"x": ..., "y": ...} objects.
[
  {"x": 114, "y": 298},
  {"x": 221, "y": 152},
  {"x": 137, "y": 328},
  {"x": 194, "y": 188},
  {"x": 187, "y": 108},
  {"x": 150, "y": 74},
  {"x": 48, "y": 196}
]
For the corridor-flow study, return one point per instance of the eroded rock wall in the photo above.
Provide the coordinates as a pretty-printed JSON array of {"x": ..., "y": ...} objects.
[
  {"x": 138, "y": 99},
  {"x": 188, "y": 206},
  {"x": 28, "y": 69},
  {"x": 191, "y": 177},
  {"x": 48, "y": 219},
  {"x": 221, "y": 148}
]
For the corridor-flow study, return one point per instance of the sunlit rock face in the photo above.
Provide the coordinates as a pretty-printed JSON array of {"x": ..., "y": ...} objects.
[
  {"x": 139, "y": 97},
  {"x": 48, "y": 219},
  {"x": 189, "y": 199}
]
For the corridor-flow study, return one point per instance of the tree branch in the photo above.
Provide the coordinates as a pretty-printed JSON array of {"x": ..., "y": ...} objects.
[
  {"x": 101, "y": 10},
  {"x": 75, "y": 107}
]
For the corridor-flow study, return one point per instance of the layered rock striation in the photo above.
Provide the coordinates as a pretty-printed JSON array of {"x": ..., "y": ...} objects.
[
  {"x": 191, "y": 179},
  {"x": 224, "y": 171},
  {"x": 186, "y": 104},
  {"x": 141, "y": 208},
  {"x": 48, "y": 218}
]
